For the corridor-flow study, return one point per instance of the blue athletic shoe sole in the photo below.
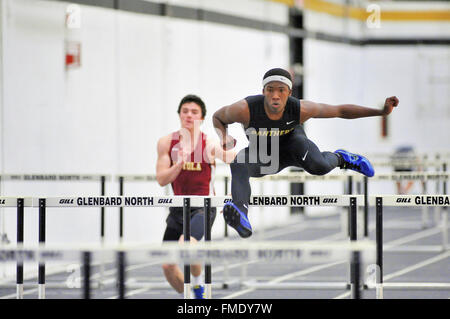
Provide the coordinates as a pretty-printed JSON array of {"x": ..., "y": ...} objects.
[
  {"x": 199, "y": 292},
  {"x": 357, "y": 163},
  {"x": 237, "y": 219}
]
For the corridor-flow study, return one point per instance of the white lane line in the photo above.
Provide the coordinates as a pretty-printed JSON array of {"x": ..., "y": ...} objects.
[
  {"x": 421, "y": 264},
  {"x": 296, "y": 226},
  {"x": 14, "y": 295},
  {"x": 105, "y": 280},
  {"x": 294, "y": 274},
  {"x": 412, "y": 237},
  {"x": 268, "y": 234},
  {"x": 286, "y": 277},
  {"x": 406, "y": 270},
  {"x": 404, "y": 240},
  {"x": 274, "y": 233}
]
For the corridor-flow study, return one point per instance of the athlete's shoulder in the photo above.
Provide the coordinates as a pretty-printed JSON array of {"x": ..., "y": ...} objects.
[
  {"x": 165, "y": 141},
  {"x": 293, "y": 100},
  {"x": 251, "y": 99},
  {"x": 169, "y": 137},
  {"x": 165, "y": 138}
]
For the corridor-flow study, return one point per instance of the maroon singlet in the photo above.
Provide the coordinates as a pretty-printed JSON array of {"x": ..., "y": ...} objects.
[{"x": 195, "y": 176}]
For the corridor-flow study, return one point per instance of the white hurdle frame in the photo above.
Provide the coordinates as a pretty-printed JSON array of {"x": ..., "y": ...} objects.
[
  {"x": 20, "y": 203},
  {"x": 266, "y": 251},
  {"x": 217, "y": 201},
  {"x": 348, "y": 178},
  {"x": 402, "y": 200},
  {"x": 169, "y": 201},
  {"x": 58, "y": 177}
]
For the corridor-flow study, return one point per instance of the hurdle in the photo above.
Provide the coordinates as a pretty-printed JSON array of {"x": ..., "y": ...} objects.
[
  {"x": 404, "y": 200},
  {"x": 399, "y": 176},
  {"x": 217, "y": 253},
  {"x": 347, "y": 178},
  {"x": 168, "y": 201},
  {"x": 424, "y": 177},
  {"x": 51, "y": 177},
  {"x": 177, "y": 201},
  {"x": 139, "y": 178},
  {"x": 20, "y": 203}
]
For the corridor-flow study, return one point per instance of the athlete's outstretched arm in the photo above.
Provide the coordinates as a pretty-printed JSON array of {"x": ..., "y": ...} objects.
[
  {"x": 234, "y": 113},
  {"x": 345, "y": 111}
]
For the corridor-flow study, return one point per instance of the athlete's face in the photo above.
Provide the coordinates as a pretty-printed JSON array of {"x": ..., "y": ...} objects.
[
  {"x": 276, "y": 96},
  {"x": 190, "y": 115}
]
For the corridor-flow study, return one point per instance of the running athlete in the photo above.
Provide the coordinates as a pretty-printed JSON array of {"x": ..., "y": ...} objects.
[
  {"x": 186, "y": 160},
  {"x": 273, "y": 125}
]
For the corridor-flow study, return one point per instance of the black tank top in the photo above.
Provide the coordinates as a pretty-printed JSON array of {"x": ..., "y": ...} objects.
[{"x": 261, "y": 126}]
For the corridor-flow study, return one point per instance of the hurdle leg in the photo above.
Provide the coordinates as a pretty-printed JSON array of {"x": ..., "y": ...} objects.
[
  {"x": 354, "y": 263},
  {"x": 226, "y": 272},
  {"x": 350, "y": 192},
  {"x": 121, "y": 274},
  {"x": 102, "y": 231},
  {"x": 425, "y": 219},
  {"x": 121, "y": 210},
  {"x": 86, "y": 275},
  {"x": 207, "y": 226},
  {"x": 41, "y": 270},
  {"x": 20, "y": 228},
  {"x": 187, "y": 239},
  {"x": 379, "y": 247},
  {"x": 444, "y": 217},
  {"x": 366, "y": 207},
  {"x": 444, "y": 213}
]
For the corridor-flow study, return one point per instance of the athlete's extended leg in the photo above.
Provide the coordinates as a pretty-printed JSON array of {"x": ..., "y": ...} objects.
[
  {"x": 308, "y": 156},
  {"x": 304, "y": 153}
]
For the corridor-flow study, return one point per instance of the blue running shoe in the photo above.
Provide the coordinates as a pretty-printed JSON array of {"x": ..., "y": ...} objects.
[
  {"x": 356, "y": 162},
  {"x": 199, "y": 292},
  {"x": 237, "y": 219}
]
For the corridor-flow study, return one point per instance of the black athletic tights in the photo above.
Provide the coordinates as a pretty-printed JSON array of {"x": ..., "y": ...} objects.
[{"x": 296, "y": 150}]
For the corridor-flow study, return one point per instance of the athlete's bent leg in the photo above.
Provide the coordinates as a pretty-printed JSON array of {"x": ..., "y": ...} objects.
[{"x": 242, "y": 168}]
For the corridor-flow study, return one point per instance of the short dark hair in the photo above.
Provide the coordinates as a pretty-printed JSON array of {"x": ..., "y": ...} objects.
[
  {"x": 195, "y": 99},
  {"x": 278, "y": 71}
]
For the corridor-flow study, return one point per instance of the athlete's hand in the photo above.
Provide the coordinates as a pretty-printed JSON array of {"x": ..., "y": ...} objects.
[
  {"x": 389, "y": 105},
  {"x": 182, "y": 156},
  {"x": 228, "y": 143}
]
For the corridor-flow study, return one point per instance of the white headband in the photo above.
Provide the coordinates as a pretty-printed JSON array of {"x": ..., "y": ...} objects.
[{"x": 278, "y": 78}]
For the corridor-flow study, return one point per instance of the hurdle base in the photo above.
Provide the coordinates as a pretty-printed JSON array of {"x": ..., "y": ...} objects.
[
  {"x": 297, "y": 285},
  {"x": 41, "y": 291},
  {"x": 187, "y": 291},
  {"x": 19, "y": 291},
  {"x": 50, "y": 285},
  {"x": 416, "y": 248},
  {"x": 413, "y": 285},
  {"x": 208, "y": 291}
]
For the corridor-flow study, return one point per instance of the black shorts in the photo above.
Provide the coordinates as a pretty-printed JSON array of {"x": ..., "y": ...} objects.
[{"x": 174, "y": 222}]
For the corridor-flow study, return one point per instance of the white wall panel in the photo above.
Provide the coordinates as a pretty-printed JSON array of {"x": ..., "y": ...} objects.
[
  {"x": 254, "y": 9},
  {"x": 338, "y": 73},
  {"x": 107, "y": 115}
]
